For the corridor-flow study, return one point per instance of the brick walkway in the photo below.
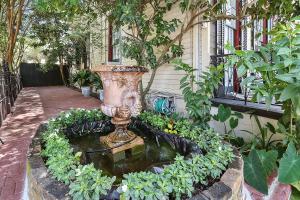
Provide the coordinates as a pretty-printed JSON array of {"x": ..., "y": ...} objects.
[{"x": 33, "y": 106}]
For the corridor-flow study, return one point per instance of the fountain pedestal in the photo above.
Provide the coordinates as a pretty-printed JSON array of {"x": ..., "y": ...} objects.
[
  {"x": 121, "y": 152},
  {"x": 121, "y": 102}
]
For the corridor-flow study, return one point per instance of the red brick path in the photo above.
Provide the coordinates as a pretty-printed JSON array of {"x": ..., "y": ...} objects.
[{"x": 33, "y": 106}]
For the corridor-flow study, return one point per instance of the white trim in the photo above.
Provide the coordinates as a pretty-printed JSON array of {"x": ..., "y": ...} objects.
[{"x": 196, "y": 44}]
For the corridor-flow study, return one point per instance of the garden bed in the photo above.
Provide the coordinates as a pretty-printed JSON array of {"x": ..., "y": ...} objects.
[{"x": 226, "y": 184}]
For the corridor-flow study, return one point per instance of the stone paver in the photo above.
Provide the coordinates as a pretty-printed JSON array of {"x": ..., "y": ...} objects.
[{"x": 33, "y": 106}]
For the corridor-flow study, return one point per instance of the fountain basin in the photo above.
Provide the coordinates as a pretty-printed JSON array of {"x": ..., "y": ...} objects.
[{"x": 43, "y": 186}]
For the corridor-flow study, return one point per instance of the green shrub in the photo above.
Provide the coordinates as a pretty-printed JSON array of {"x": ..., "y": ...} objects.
[
  {"x": 85, "y": 182},
  {"x": 90, "y": 183},
  {"x": 83, "y": 78}
]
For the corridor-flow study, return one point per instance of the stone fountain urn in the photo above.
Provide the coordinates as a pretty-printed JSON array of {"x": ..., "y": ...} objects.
[{"x": 121, "y": 102}]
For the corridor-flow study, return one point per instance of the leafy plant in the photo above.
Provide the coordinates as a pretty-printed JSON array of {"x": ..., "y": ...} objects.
[
  {"x": 85, "y": 182},
  {"x": 197, "y": 93},
  {"x": 226, "y": 115},
  {"x": 260, "y": 163},
  {"x": 171, "y": 128},
  {"x": 79, "y": 115},
  {"x": 258, "y": 166},
  {"x": 61, "y": 162},
  {"x": 145, "y": 185},
  {"x": 155, "y": 120},
  {"x": 89, "y": 183},
  {"x": 263, "y": 140},
  {"x": 278, "y": 65},
  {"x": 96, "y": 81},
  {"x": 289, "y": 166},
  {"x": 83, "y": 77}
]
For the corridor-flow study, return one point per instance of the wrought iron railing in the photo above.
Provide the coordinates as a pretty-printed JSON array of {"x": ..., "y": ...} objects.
[
  {"x": 10, "y": 86},
  {"x": 231, "y": 85}
]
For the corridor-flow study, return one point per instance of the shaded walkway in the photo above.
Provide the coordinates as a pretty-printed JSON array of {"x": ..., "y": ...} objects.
[{"x": 33, "y": 106}]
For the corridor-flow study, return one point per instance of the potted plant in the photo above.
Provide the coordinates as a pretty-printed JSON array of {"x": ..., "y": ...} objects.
[
  {"x": 83, "y": 79},
  {"x": 97, "y": 83}
]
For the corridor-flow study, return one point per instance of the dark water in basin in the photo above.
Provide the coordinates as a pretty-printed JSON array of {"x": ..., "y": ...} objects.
[{"x": 153, "y": 155}]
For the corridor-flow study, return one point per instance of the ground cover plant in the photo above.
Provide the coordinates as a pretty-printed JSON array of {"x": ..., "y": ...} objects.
[{"x": 176, "y": 180}]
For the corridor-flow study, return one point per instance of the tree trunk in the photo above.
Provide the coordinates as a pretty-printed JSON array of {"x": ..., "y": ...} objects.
[
  {"x": 145, "y": 91},
  {"x": 14, "y": 21},
  {"x": 61, "y": 69},
  {"x": 143, "y": 100}
]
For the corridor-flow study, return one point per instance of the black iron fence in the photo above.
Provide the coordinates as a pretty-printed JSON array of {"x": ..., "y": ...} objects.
[{"x": 10, "y": 86}]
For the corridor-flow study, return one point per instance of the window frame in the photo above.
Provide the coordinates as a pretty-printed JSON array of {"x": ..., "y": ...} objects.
[
  {"x": 112, "y": 47},
  {"x": 240, "y": 100}
]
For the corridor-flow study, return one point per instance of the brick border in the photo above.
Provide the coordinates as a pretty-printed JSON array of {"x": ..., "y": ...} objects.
[{"x": 42, "y": 186}]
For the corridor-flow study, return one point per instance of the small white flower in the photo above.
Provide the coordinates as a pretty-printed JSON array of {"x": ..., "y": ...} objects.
[
  {"x": 220, "y": 148},
  {"x": 124, "y": 188}
]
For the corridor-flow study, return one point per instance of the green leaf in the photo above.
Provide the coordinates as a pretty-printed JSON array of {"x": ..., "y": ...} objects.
[
  {"x": 241, "y": 70},
  {"x": 289, "y": 166},
  {"x": 223, "y": 113},
  {"x": 296, "y": 41},
  {"x": 238, "y": 115},
  {"x": 215, "y": 117},
  {"x": 288, "y": 62},
  {"x": 271, "y": 127},
  {"x": 268, "y": 160},
  {"x": 254, "y": 172},
  {"x": 289, "y": 92},
  {"x": 233, "y": 122},
  {"x": 284, "y": 51},
  {"x": 296, "y": 104},
  {"x": 289, "y": 78},
  {"x": 296, "y": 185},
  {"x": 248, "y": 80}
]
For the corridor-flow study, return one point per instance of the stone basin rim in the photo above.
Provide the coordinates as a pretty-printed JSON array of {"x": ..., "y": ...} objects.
[{"x": 119, "y": 68}]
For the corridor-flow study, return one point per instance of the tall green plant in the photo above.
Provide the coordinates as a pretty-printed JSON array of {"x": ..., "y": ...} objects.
[
  {"x": 259, "y": 164},
  {"x": 83, "y": 78},
  {"x": 198, "y": 93},
  {"x": 264, "y": 138},
  {"x": 225, "y": 115},
  {"x": 278, "y": 64}
]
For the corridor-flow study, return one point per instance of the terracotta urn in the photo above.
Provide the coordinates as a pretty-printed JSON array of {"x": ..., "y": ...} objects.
[{"x": 121, "y": 98}]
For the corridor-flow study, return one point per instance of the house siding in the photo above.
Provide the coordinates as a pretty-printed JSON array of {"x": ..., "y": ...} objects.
[{"x": 199, "y": 44}]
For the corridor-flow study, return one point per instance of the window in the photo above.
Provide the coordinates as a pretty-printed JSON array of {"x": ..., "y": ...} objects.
[
  {"x": 259, "y": 33},
  {"x": 234, "y": 33},
  {"x": 114, "y": 47},
  {"x": 231, "y": 37}
]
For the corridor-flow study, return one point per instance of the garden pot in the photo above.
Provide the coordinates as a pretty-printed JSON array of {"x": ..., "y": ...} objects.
[
  {"x": 101, "y": 95},
  {"x": 86, "y": 91}
]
